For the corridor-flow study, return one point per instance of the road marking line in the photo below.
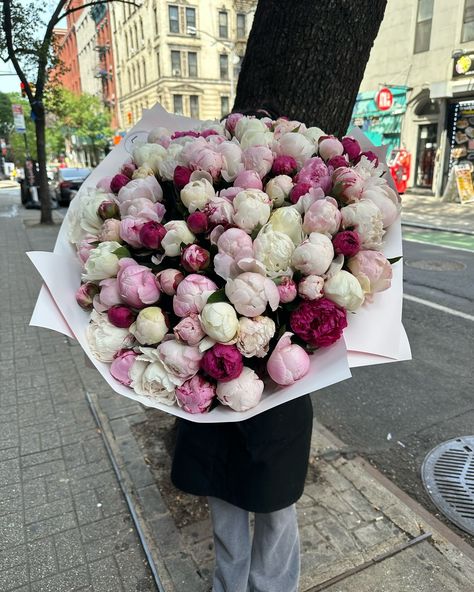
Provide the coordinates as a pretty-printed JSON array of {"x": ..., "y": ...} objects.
[
  {"x": 422, "y": 242},
  {"x": 456, "y": 313}
]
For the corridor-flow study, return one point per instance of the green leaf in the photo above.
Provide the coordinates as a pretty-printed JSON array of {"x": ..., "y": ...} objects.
[
  {"x": 394, "y": 259},
  {"x": 217, "y": 296},
  {"x": 121, "y": 252}
]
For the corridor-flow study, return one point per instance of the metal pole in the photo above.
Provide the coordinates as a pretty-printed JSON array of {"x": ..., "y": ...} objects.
[
  {"x": 232, "y": 80},
  {"x": 27, "y": 149}
]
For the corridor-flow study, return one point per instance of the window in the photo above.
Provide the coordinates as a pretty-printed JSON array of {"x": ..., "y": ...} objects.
[
  {"x": 144, "y": 71},
  {"x": 158, "y": 68},
  {"x": 194, "y": 106},
  {"x": 155, "y": 19},
  {"x": 223, "y": 27},
  {"x": 192, "y": 64},
  {"x": 178, "y": 104},
  {"x": 176, "y": 63},
  {"x": 190, "y": 18},
  {"x": 224, "y": 106},
  {"x": 142, "y": 36},
  {"x": 241, "y": 26},
  {"x": 173, "y": 14},
  {"x": 423, "y": 25},
  {"x": 224, "y": 66},
  {"x": 468, "y": 22}
]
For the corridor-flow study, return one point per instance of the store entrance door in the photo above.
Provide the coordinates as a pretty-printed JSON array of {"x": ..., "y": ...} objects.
[{"x": 426, "y": 154}]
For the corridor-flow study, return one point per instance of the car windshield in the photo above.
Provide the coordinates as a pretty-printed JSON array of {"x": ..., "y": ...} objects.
[{"x": 75, "y": 173}]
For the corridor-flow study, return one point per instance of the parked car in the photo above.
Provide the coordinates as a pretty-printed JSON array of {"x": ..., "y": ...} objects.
[{"x": 66, "y": 183}]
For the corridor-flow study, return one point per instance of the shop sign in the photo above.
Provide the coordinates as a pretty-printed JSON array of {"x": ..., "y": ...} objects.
[
  {"x": 463, "y": 65},
  {"x": 463, "y": 175},
  {"x": 384, "y": 99}
]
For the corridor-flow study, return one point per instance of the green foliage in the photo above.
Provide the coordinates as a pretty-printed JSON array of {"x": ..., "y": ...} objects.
[
  {"x": 6, "y": 116},
  {"x": 16, "y": 151}
]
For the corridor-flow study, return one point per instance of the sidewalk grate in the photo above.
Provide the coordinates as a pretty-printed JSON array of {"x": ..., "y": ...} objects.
[
  {"x": 426, "y": 265},
  {"x": 448, "y": 476}
]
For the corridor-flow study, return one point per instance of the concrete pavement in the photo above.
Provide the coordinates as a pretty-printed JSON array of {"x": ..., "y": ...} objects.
[{"x": 64, "y": 523}]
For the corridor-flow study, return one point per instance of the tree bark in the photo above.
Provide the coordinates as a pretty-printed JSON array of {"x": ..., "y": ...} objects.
[
  {"x": 307, "y": 58},
  {"x": 40, "y": 124}
]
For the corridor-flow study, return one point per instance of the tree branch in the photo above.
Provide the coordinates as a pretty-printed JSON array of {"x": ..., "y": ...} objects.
[{"x": 71, "y": 10}]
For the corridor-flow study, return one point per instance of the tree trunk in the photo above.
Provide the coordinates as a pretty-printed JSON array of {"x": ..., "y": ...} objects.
[
  {"x": 307, "y": 59},
  {"x": 43, "y": 190}
]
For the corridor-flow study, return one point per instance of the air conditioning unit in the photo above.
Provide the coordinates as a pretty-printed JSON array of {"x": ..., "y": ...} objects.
[{"x": 176, "y": 72}]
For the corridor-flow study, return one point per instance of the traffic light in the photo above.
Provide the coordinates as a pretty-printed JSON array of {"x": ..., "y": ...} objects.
[
  {"x": 23, "y": 89},
  {"x": 129, "y": 118}
]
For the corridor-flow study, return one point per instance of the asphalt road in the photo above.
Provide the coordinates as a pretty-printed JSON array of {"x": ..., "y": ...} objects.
[{"x": 394, "y": 414}]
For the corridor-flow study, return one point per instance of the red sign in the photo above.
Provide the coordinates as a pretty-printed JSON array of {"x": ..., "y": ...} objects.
[{"x": 384, "y": 99}]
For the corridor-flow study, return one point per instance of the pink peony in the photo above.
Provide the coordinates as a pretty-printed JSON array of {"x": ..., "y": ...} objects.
[
  {"x": 121, "y": 365},
  {"x": 230, "y": 192},
  {"x": 85, "y": 295},
  {"x": 315, "y": 173},
  {"x": 181, "y": 176},
  {"x": 258, "y": 159},
  {"x": 319, "y": 323},
  {"x": 196, "y": 394},
  {"x": 85, "y": 247},
  {"x": 118, "y": 181},
  {"x": 241, "y": 393},
  {"x": 322, "y": 216},
  {"x": 128, "y": 168},
  {"x": 109, "y": 293},
  {"x": 136, "y": 284},
  {"x": 287, "y": 290},
  {"x": 234, "y": 244},
  {"x": 192, "y": 294},
  {"x": 198, "y": 222},
  {"x": 179, "y": 359},
  {"x": 288, "y": 362},
  {"x": 194, "y": 258},
  {"x": 351, "y": 147},
  {"x": 232, "y": 121},
  {"x": 151, "y": 234},
  {"x": 121, "y": 316},
  {"x": 348, "y": 185},
  {"x": 143, "y": 209},
  {"x": 110, "y": 230},
  {"x": 147, "y": 187},
  {"x": 168, "y": 280},
  {"x": 104, "y": 184},
  {"x": 373, "y": 271},
  {"x": 250, "y": 293},
  {"x": 130, "y": 231},
  {"x": 207, "y": 159},
  {"x": 219, "y": 210},
  {"x": 311, "y": 287},
  {"x": 346, "y": 243},
  {"x": 248, "y": 180},
  {"x": 329, "y": 146},
  {"x": 189, "y": 330},
  {"x": 284, "y": 165},
  {"x": 222, "y": 362}
]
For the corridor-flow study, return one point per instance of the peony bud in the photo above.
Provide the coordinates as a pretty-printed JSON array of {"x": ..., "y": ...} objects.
[
  {"x": 287, "y": 290},
  {"x": 351, "y": 147},
  {"x": 128, "y": 169},
  {"x": 151, "y": 234},
  {"x": 337, "y": 161},
  {"x": 118, "y": 181},
  {"x": 181, "y": 176},
  {"x": 198, "y": 222},
  {"x": 298, "y": 191},
  {"x": 85, "y": 295},
  {"x": 288, "y": 362},
  {"x": 108, "y": 209},
  {"x": 169, "y": 280},
  {"x": 346, "y": 243},
  {"x": 370, "y": 156},
  {"x": 121, "y": 316},
  {"x": 284, "y": 165},
  {"x": 194, "y": 258}
]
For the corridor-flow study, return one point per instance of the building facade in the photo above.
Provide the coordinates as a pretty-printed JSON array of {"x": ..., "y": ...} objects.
[
  {"x": 66, "y": 48},
  {"x": 424, "y": 56},
  {"x": 184, "y": 55}
]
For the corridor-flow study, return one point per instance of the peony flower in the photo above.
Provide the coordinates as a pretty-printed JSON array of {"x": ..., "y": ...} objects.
[
  {"x": 258, "y": 159},
  {"x": 196, "y": 395},
  {"x": 286, "y": 289},
  {"x": 232, "y": 163},
  {"x": 252, "y": 209},
  {"x": 85, "y": 246},
  {"x": 192, "y": 294},
  {"x": 102, "y": 262},
  {"x": 151, "y": 380},
  {"x": 148, "y": 188},
  {"x": 143, "y": 209},
  {"x": 346, "y": 243},
  {"x": 88, "y": 218},
  {"x": 110, "y": 231},
  {"x": 351, "y": 147},
  {"x": 121, "y": 365},
  {"x": 319, "y": 323},
  {"x": 311, "y": 287},
  {"x": 149, "y": 155},
  {"x": 295, "y": 145},
  {"x": 198, "y": 222},
  {"x": 109, "y": 293},
  {"x": 151, "y": 234},
  {"x": 384, "y": 197},
  {"x": 128, "y": 168},
  {"x": 322, "y": 216},
  {"x": 370, "y": 156},
  {"x": 348, "y": 185},
  {"x": 196, "y": 194},
  {"x": 274, "y": 249},
  {"x": 337, "y": 161},
  {"x": 130, "y": 231},
  {"x": 194, "y": 258},
  {"x": 118, "y": 181},
  {"x": 298, "y": 191},
  {"x": 181, "y": 176},
  {"x": 248, "y": 180},
  {"x": 222, "y": 362},
  {"x": 104, "y": 339},
  {"x": 288, "y": 220},
  {"x": 254, "y": 336},
  {"x": 233, "y": 245},
  {"x": 313, "y": 134},
  {"x": 241, "y": 393},
  {"x": 150, "y": 326},
  {"x": 314, "y": 255},
  {"x": 372, "y": 270},
  {"x": 85, "y": 295},
  {"x": 219, "y": 321},
  {"x": 288, "y": 362},
  {"x": 329, "y": 147},
  {"x": 189, "y": 330},
  {"x": 284, "y": 165},
  {"x": 179, "y": 359},
  {"x": 366, "y": 219},
  {"x": 177, "y": 233},
  {"x": 169, "y": 280},
  {"x": 108, "y": 209},
  {"x": 248, "y": 124},
  {"x": 316, "y": 174},
  {"x": 104, "y": 184},
  {"x": 278, "y": 189},
  {"x": 344, "y": 289},
  {"x": 219, "y": 210},
  {"x": 136, "y": 284},
  {"x": 120, "y": 316},
  {"x": 231, "y": 121},
  {"x": 251, "y": 292}
]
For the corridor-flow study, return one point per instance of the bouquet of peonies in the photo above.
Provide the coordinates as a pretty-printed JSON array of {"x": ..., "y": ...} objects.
[{"x": 219, "y": 260}]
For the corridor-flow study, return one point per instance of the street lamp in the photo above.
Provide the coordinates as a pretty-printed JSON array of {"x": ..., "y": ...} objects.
[{"x": 234, "y": 58}]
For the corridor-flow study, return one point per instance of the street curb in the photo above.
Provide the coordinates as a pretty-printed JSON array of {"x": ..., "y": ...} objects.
[{"x": 440, "y": 228}]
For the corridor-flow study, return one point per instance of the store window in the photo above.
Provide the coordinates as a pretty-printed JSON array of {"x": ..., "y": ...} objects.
[
  {"x": 224, "y": 106},
  {"x": 424, "y": 19},
  {"x": 192, "y": 64},
  {"x": 224, "y": 66},
  {"x": 241, "y": 26},
  {"x": 194, "y": 106},
  {"x": 190, "y": 18},
  {"x": 426, "y": 154},
  {"x": 468, "y": 22},
  {"x": 223, "y": 25},
  {"x": 173, "y": 14},
  {"x": 175, "y": 63},
  {"x": 178, "y": 104}
]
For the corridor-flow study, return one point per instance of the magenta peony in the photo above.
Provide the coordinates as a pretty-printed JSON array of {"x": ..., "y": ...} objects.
[
  {"x": 298, "y": 191},
  {"x": 346, "y": 243},
  {"x": 319, "y": 323},
  {"x": 284, "y": 165},
  {"x": 181, "y": 176},
  {"x": 351, "y": 147},
  {"x": 198, "y": 222},
  {"x": 151, "y": 234},
  {"x": 121, "y": 316},
  {"x": 222, "y": 362},
  {"x": 118, "y": 181}
]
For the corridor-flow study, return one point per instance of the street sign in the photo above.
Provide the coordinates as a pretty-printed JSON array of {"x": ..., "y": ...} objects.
[
  {"x": 384, "y": 99},
  {"x": 18, "y": 119}
]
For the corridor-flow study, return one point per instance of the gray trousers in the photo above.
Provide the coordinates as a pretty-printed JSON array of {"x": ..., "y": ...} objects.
[{"x": 268, "y": 563}]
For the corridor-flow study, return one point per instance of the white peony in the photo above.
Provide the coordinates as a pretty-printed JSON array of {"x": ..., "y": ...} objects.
[
  {"x": 105, "y": 339},
  {"x": 241, "y": 393},
  {"x": 149, "y": 156},
  {"x": 102, "y": 263},
  {"x": 295, "y": 145},
  {"x": 288, "y": 220},
  {"x": 314, "y": 255},
  {"x": 196, "y": 194},
  {"x": 344, "y": 289},
  {"x": 149, "y": 326},
  {"x": 254, "y": 336},
  {"x": 249, "y": 124},
  {"x": 274, "y": 249},
  {"x": 177, "y": 232},
  {"x": 219, "y": 321},
  {"x": 149, "y": 378},
  {"x": 278, "y": 189},
  {"x": 366, "y": 218},
  {"x": 252, "y": 209},
  {"x": 232, "y": 163},
  {"x": 170, "y": 162},
  {"x": 85, "y": 219},
  {"x": 384, "y": 197}
]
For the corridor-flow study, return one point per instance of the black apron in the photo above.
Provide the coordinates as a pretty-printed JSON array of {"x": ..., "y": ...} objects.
[{"x": 259, "y": 464}]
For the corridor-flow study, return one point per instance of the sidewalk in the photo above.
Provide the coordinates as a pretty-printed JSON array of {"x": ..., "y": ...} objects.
[
  {"x": 65, "y": 526},
  {"x": 429, "y": 212}
]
